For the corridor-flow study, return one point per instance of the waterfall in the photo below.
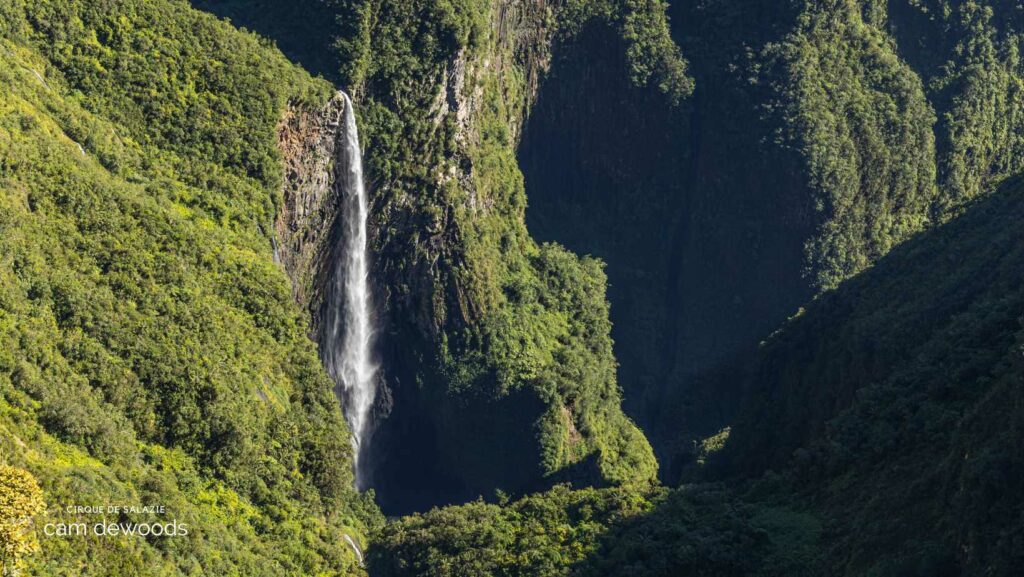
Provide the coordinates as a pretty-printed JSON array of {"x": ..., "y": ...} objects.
[{"x": 348, "y": 346}]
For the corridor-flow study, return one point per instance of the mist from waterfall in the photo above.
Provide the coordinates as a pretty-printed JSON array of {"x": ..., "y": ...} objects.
[{"x": 348, "y": 350}]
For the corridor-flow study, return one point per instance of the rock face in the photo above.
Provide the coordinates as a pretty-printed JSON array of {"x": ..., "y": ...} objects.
[
  {"x": 309, "y": 227},
  {"x": 450, "y": 436},
  {"x": 305, "y": 227}
]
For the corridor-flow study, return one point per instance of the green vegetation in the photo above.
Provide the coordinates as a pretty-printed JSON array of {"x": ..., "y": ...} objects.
[
  {"x": 150, "y": 352},
  {"x": 902, "y": 112},
  {"x": 21, "y": 500},
  {"x": 542, "y": 535},
  {"x": 968, "y": 54},
  {"x": 859, "y": 118},
  {"x": 892, "y": 404},
  {"x": 706, "y": 530},
  {"x": 640, "y": 26},
  {"x": 699, "y": 530}
]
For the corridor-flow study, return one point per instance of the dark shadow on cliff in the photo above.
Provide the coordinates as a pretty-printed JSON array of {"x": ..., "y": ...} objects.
[
  {"x": 701, "y": 223},
  {"x": 604, "y": 165},
  {"x": 895, "y": 403},
  {"x": 303, "y": 29},
  {"x": 880, "y": 432},
  {"x": 463, "y": 432}
]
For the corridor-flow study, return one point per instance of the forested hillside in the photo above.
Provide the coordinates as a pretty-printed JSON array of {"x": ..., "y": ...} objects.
[
  {"x": 894, "y": 401},
  {"x": 151, "y": 351}
]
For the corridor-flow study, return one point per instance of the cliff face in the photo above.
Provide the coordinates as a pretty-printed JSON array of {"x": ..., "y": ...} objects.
[
  {"x": 305, "y": 228},
  {"x": 501, "y": 369},
  {"x": 715, "y": 214},
  {"x": 498, "y": 369},
  {"x": 820, "y": 135}
]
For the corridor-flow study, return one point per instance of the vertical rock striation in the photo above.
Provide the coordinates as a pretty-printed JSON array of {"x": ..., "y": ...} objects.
[{"x": 305, "y": 226}]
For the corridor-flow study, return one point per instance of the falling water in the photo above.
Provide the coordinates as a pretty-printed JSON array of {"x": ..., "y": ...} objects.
[{"x": 349, "y": 344}]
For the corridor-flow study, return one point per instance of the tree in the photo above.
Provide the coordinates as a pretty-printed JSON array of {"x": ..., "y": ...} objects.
[{"x": 21, "y": 499}]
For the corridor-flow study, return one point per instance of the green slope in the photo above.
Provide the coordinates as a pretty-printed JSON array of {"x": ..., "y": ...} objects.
[
  {"x": 151, "y": 351},
  {"x": 697, "y": 530},
  {"x": 894, "y": 403}
]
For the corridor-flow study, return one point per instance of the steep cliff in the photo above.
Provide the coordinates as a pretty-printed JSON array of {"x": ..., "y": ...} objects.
[
  {"x": 500, "y": 361},
  {"x": 305, "y": 226},
  {"x": 820, "y": 135}
]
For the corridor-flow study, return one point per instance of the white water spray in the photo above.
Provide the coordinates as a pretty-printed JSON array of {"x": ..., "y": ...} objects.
[{"x": 349, "y": 339}]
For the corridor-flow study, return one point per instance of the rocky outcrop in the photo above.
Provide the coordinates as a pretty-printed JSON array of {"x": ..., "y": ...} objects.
[{"x": 305, "y": 226}]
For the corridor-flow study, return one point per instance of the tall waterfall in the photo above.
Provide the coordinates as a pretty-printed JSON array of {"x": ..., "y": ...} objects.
[{"x": 349, "y": 339}]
